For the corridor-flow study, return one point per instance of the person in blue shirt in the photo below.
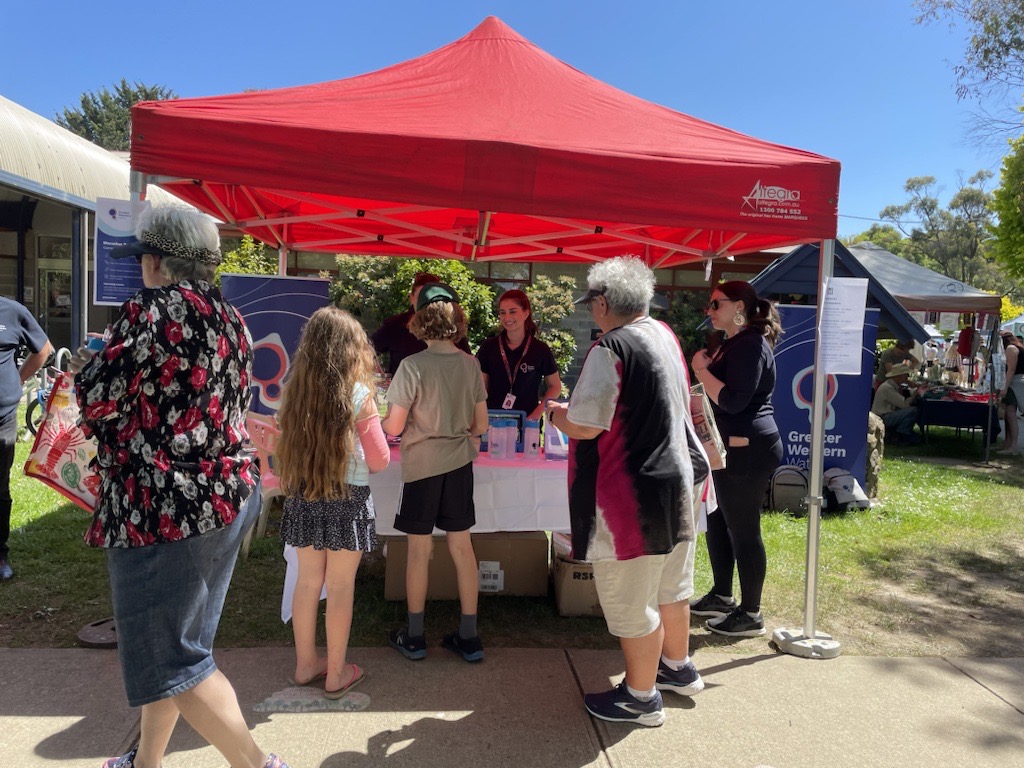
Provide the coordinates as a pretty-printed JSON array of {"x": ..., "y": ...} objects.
[{"x": 17, "y": 328}]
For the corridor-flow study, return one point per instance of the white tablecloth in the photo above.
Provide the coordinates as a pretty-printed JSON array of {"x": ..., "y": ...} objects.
[{"x": 510, "y": 495}]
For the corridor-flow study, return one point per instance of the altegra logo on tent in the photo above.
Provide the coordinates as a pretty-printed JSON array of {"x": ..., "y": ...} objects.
[{"x": 772, "y": 202}]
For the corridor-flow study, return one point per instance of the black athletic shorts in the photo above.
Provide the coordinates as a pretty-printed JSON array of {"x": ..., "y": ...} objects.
[{"x": 442, "y": 501}]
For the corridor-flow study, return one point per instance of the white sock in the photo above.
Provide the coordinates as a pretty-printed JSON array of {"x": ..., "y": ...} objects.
[
  {"x": 674, "y": 664},
  {"x": 727, "y": 599},
  {"x": 642, "y": 695},
  {"x": 754, "y": 614}
]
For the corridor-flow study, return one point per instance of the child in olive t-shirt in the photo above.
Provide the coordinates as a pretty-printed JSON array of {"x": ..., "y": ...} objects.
[{"x": 438, "y": 404}]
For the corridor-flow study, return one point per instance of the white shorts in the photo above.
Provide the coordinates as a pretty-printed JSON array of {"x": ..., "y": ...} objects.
[{"x": 630, "y": 591}]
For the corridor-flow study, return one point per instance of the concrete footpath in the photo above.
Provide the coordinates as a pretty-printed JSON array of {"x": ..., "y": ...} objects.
[{"x": 524, "y": 708}]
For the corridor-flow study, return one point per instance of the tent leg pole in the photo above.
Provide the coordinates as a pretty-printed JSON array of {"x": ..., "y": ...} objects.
[{"x": 808, "y": 642}]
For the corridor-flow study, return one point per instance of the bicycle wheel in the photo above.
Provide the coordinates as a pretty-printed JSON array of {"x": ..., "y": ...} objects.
[{"x": 34, "y": 415}]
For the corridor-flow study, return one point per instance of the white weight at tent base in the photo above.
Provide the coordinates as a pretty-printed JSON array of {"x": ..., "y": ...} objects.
[{"x": 795, "y": 643}]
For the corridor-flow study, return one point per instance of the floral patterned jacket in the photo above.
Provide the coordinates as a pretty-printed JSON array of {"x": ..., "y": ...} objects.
[{"x": 167, "y": 400}]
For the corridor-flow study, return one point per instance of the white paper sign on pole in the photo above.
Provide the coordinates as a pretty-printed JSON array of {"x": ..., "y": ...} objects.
[
  {"x": 949, "y": 321},
  {"x": 842, "y": 323}
]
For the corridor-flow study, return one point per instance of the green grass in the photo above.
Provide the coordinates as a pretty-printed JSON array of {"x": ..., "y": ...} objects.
[{"x": 934, "y": 569}]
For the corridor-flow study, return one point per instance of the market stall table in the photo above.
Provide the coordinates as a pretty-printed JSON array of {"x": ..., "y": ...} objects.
[
  {"x": 960, "y": 414},
  {"x": 510, "y": 495}
]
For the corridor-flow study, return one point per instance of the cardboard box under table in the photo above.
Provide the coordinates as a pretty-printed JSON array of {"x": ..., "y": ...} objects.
[
  {"x": 573, "y": 580},
  {"x": 513, "y": 563}
]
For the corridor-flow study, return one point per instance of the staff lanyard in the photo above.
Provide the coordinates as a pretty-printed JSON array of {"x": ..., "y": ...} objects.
[{"x": 508, "y": 368}]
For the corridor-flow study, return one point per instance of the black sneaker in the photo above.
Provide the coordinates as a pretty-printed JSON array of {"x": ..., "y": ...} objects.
[
  {"x": 413, "y": 648},
  {"x": 471, "y": 649},
  {"x": 712, "y": 605},
  {"x": 618, "y": 706},
  {"x": 685, "y": 682},
  {"x": 737, "y": 624}
]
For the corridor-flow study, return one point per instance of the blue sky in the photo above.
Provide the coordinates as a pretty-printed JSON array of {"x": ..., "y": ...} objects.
[{"x": 856, "y": 80}]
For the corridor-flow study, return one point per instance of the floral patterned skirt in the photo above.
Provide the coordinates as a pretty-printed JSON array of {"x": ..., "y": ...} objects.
[{"x": 333, "y": 524}]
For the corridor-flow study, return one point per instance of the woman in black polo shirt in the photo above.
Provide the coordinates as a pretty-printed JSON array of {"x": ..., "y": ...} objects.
[{"x": 515, "y": 363}]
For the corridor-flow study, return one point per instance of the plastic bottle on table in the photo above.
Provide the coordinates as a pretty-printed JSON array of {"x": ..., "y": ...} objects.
[
  {"x": 496, "y": 439},
  {"x": 511, "y": 427},
  {"x": 531, "y": 439}
]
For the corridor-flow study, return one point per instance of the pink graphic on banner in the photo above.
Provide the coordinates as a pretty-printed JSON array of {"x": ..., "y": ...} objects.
[{"x": 268, "y": 372}]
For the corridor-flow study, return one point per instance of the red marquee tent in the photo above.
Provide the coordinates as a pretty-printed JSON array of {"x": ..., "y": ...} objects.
[{"x": 489, "y": 149}]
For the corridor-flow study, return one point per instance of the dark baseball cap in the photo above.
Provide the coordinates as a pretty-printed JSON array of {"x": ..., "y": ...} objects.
[
  {"x": 435, "y": 292},
  {"x": 590, "y": 295}
]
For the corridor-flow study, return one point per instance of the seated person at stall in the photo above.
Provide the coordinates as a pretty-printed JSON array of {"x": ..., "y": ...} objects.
[
  {"x": 515, "y": 363},
  {"x": 394, "y": 338},
  {"x": 896, "y": 403},
  {"x": 897, "y": 354}
]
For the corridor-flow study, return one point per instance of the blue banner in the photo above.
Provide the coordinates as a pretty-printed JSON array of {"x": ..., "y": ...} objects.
[
  {"x": 275, "y": 309},
  {"x": 847, "y": 397}
]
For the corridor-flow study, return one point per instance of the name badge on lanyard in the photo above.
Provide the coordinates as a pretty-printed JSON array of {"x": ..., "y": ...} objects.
[{"x": 510, "y": 400}]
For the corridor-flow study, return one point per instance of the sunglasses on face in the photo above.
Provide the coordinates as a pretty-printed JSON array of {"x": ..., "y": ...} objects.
[{"x": 716, "y": 303}]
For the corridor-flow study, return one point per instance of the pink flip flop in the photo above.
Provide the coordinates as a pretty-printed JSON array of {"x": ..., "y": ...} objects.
[
  {"x": 357, "y": 676},
  {"x": 314, "y": 679}
]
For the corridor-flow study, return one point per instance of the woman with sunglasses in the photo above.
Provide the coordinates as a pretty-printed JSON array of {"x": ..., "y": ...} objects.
[{"x": 739, "y": 378}]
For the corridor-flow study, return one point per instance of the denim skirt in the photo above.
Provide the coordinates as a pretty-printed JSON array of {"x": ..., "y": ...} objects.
[{"x": 167, "y": 602}]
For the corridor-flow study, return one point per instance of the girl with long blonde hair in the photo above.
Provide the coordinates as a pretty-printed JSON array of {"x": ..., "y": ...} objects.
[{"x": 331, "y": 440}]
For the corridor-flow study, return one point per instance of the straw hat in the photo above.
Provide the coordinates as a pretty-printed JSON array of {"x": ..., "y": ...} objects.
[{"x": 899, "y": 370}]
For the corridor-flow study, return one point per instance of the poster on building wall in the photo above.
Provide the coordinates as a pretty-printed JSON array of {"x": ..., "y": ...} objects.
[
  {"x": 847, "y": 397},
  {"x": 115, "y": 280},
  {"x": 275, "y": 308}
]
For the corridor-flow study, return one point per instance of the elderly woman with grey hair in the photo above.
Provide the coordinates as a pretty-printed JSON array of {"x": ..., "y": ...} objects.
[
  {"x": 167, "y": 399},
  {"x": 635, "y": 469}
]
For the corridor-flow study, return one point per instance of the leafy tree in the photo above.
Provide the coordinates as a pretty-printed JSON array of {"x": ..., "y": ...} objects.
[
  {"x": 104, "y": 118},
  {"x": 251, "y": 257},
  {"x": 373, "y": 288},
  {"x": 949, "y": 240},
  {"x": 883, "y": 235},
  {"x": 684, "y": 316},
  {"x": 993, "y": 60},
  {"x": 1008, "y": 311},
  {"x": 550, "y": 303},
  {"x": 1008, "y": 204}
]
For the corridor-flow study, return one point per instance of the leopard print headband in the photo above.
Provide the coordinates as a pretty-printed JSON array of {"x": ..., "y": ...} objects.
[{"x": 169, "y": 247}]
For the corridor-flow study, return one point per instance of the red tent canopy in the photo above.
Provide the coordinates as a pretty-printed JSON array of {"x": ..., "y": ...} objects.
[{"x": 488, "y": 148}]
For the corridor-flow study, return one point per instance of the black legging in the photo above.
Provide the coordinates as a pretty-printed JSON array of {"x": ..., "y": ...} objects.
[
  {"x": 734, "y": 531},
  {"x": 8, "y": 439}
]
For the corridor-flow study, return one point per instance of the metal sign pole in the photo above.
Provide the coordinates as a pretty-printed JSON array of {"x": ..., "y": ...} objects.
[{"x": 808, "y": 642}]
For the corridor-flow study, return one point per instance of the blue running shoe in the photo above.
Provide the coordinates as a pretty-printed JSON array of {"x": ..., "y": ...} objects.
[
  {"x": 413, "y": 648},
  {"x": 470, "y": 649},
  {"x": 685, "y": 682},
  {"x": 618, "y": 706}
]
